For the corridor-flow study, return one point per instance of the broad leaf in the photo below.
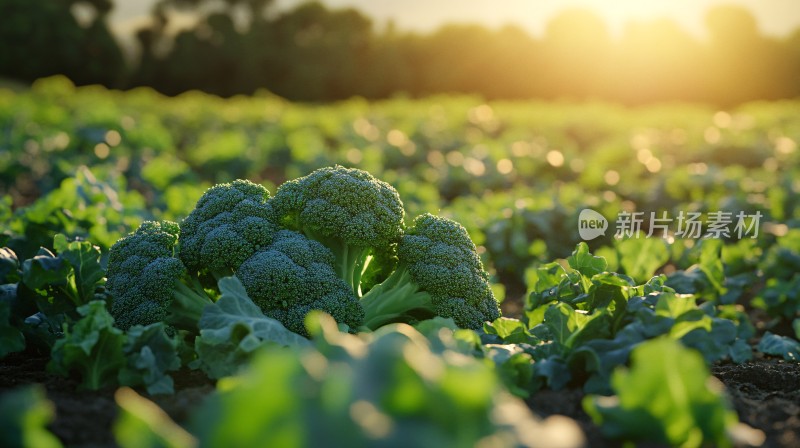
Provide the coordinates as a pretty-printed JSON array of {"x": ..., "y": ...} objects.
[
  {"x": 585, "y": 263},
  {"x": 233, "y": 328},
  {"x": 641, "y": 257},
  {"x": 150, "y": 354},
  {"x": 92, "y": 347},
  {"x": 773, "y": 344},
  {"x": 85, "y": 261},
  {"x": 664, "y": 397}
]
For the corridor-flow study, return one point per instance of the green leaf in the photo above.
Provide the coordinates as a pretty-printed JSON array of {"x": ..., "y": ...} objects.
[
  {"x": 233, "y": 328},
  {"x": 150, "y": 354},
  {"x": 610, "y": 291},
  {"x": 85, "y": 261},
  {"x": 92, "y": 347},
  {"x": 548, "y": 279},
  {"x": 511, "y": 331},
  {"x": 555, "y": 371},
  {"x": 641, "y": 257},
  {"x": 716, "y": 341},
  {"x": 711, "y": 264},
  {"x": 675, "y": 305},
  {"x": 513, "y": 366},
  {"x": 142, "y": 424},
  {"x": 665, "y": 397},
  {"x": 773, "y": 344},
  {"x": 11, "y": 339},
  {"x": 562, "y": 320},
  {"x": 585, "y": 263},
  {"x": 24, "y": 416},
  {"x": 386, "y": 388},
  {"x": 45, "y": 269},
  {"x": 589, "y": 327},
  {"x": 9, "y": 266}
]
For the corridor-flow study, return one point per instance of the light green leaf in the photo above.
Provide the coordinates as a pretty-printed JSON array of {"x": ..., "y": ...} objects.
[
  {"x": 586, "y": 263},
  {"x": 664, "y": 397},
  {"x": 641, "y": 257}
]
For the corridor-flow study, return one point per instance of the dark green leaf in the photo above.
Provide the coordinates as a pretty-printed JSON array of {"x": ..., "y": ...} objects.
[
  {"x": 9, "y": 266},
  {"x": 233, "y": 328},
  {"x": 25, "y": 414},
  {"x": 150, "y": 354},
  {"x": 85, "y": 261},
  {"x": 773, "y": 344},
  {"x": 45, "y": 269},
  {"x": 11, "y": 339},
  {"x": 92, "y": 347}
]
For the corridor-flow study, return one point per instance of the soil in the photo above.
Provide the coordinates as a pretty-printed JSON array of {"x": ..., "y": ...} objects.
[{"x": 765, "y": 394}]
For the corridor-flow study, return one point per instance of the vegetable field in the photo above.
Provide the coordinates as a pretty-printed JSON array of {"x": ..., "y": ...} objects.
[{"x": 440, "y": 272}]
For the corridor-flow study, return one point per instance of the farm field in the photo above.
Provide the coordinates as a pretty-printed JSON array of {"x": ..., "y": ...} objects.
[{"x": 646, "y": 261}]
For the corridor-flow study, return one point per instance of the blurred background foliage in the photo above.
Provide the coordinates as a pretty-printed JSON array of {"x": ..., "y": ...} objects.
[
  {"x": 91, "y": 162},
  {"x": 309, "y": 52}
]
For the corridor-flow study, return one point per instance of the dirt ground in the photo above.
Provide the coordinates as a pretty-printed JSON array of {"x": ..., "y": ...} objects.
[{"x": 765, "y": 393}]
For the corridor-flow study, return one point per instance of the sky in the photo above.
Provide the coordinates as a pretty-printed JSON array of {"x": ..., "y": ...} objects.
[{"x": 774, "y": 17}]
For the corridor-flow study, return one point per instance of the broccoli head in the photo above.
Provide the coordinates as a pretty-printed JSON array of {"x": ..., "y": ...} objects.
[
  {"x": 439, "y": 273},
  {"x": 145, "y": 278},
  {"x": 346, "y": 209},
  {"x": 295, "y": 275},
  {"x": 229, "y": 224}
]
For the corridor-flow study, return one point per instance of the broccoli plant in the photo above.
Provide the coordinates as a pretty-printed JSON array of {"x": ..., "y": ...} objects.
[
  {"x": 346, "y": 209},
  {"x": 295, "y": 275},
  {"x": 439, "y": 273},
  {"x": 229, "y": 224},
  {"x": 148, "y": 282}
]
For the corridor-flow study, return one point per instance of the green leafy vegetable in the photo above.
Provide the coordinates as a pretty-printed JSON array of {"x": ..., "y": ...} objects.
[
  {"x": 786, "y": 347},
  {"x": 24, "y": 415},
  {"x": 641, "y": 257},
  {"x": 233, "y": 328},
  {"x": 11, "y": 338},
  {"x": 142, "y": 424},
  {"x": 92, "y": 347},
  {"x": 382, "y": 389},
  {"x": 664, "y": 397},
  {"x": 150, "y": 354}
]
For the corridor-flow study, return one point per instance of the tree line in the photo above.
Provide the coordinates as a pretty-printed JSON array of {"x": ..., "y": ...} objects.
[{"x": 313, "y": 53}]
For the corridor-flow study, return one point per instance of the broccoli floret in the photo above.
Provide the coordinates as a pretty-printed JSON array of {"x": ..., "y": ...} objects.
[
  {"x": 295, "y": 275},
  {"x": 439, "y": 273},
  {"x": 148, "y": 284},
  {"x": 346, "y": 209},
  {"x": 229, "y": 224}
]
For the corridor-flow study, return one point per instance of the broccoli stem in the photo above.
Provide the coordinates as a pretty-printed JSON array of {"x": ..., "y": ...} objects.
[
  {"x": 393, "y": 299},
  {"x": 187, "y": 305},
  {"x": 350, "y": 260}
]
